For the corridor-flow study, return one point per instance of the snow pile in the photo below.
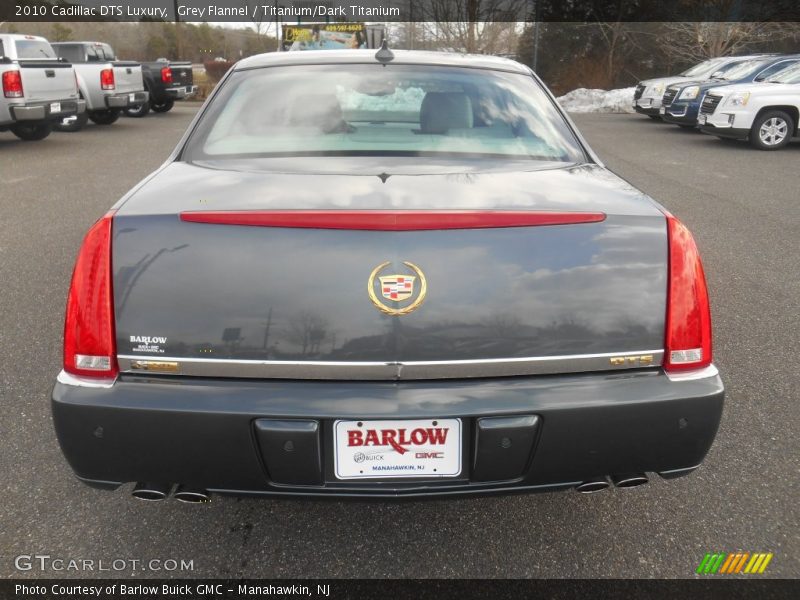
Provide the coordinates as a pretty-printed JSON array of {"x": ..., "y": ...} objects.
[
  {"x": 402, "y": 100},
  {"x": 584, "y": 100}
]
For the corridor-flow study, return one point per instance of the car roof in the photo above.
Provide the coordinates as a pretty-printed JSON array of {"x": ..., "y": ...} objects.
[
  {"x": 404, "y": 57},
  {"x": 22, "y": 36}
]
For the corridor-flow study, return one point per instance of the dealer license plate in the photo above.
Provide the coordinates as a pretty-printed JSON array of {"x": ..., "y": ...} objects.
[
  {"x": 55, "y": 107},
  {"x": 131, "y": 98},
  {"x": 702, "y": 119},
  {"x": 662, "y": 111},
  {"x": 409, "y": 448}
]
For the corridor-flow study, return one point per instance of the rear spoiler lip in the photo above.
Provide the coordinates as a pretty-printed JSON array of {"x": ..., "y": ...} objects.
[{"x": 392, "y": 220}]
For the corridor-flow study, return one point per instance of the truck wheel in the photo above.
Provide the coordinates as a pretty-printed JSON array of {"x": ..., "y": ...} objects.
[
  {"x": 31, "y": 132},
  {"x": 771, "y": 130},
  {"x": 104, "y": 117},
  {"x": 164, "y": 106},
  {"x": 70, "y": 124},
  {"x": 138, "y": 111}
]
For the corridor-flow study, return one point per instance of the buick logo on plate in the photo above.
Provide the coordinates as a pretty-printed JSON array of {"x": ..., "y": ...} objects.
[{"x": 397, "y": 289}]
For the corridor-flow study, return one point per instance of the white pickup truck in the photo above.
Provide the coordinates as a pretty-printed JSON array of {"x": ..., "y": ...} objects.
[
  {"x": 38, "y": 88},
  {"x": 107, "y": 84},
  {"x": 766, "y": 113}
]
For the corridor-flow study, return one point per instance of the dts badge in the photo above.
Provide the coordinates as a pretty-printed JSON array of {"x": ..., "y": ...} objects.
[{"x": 396, "y": 289}]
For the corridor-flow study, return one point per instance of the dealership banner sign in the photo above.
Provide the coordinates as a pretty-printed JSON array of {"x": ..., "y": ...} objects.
[
  {"x": 330, "y": 11},
  {"x": 397, "y": 589}
]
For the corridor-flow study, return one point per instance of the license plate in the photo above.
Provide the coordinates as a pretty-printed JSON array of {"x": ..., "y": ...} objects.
[
  {"x": 131, "y": 97},
  {"x": 390, "y": 449},
  {"x": 662, "y": 111},
  {"x": 645, "y": 102},
  {"x": 55, "y": 107},
  {"x": 702, "y": 119}
]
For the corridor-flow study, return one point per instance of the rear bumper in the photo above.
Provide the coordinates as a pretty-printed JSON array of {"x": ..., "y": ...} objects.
[
  {"x": 126, "y": 100},
  {"x": 204, "y": 432},
  {"x": 45, "y": 111},
  {"x": 182, "y": 92}
]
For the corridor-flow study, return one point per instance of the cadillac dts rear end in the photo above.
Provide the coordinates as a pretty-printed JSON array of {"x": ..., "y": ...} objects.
[{"x": 396, "y": 275}]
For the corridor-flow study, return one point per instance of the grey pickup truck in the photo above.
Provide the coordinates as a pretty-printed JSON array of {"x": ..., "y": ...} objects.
[
  {"x": 108, "y": 85},
  {"x": 38, "y": 88}
]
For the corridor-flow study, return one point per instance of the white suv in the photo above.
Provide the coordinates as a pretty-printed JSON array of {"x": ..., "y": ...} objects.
[
  {"x": 648, "y": 93},
  {"x": 765, "y": 113}
]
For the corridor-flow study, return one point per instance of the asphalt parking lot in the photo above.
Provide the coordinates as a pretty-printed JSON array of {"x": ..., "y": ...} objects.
[{"x": 743, "y": 207}]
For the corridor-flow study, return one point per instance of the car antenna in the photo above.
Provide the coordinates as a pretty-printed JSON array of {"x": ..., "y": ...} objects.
[{"x": 384, "y": 55}]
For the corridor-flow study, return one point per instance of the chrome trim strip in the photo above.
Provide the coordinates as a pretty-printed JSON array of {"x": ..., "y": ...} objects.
[
  {"x": 87, "y": 382},
  {"x": 455, "y": 369},
  {"x": 704, "y": 373}
]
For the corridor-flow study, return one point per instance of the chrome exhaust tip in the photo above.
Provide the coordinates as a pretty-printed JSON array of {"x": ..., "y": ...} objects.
[
  {"x": 629, "y": 480},
  {"x": 191, "y": 495},
  {"x": 151, "y": 492},
  {"x": 592, "y": 485}
]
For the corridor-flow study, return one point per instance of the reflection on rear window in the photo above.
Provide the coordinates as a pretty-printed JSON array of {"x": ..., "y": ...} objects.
[
  {"x": 371, "y": 109},
  {"x": 34, "y": 49}
]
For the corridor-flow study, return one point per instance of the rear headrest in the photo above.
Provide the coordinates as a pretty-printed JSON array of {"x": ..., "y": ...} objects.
[
  {"x": 442, "y": 111},
  {"x": 317, "y": 110}
]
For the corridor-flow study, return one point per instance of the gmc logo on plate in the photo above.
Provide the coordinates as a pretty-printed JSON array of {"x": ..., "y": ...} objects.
[{"x": 397, "y": 438}]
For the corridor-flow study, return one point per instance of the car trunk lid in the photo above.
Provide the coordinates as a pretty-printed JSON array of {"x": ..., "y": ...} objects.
[{"x": 198, "y": 294}]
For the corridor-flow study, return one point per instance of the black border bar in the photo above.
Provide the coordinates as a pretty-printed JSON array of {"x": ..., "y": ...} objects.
[
  {"x": 713, "y": 587},
  {"x": 377, "y": 11}
]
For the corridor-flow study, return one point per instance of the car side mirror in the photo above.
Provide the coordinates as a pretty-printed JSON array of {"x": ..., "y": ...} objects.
[{"x": 716, "y": 74}]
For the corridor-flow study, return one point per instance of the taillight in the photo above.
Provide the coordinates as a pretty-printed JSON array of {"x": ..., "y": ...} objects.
[
  {"x": 12, "y": 84},
  {"x": 89, "y": 342},
  {"x": 688, "y": 328},
  {"x": 107, "y": 79},
  {"x": 166, "y": 74}
]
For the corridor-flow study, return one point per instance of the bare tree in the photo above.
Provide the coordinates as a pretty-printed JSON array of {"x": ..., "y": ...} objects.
[
  {"x": 698, "y": 41},
  {"x": 476, "y": 26},
  {"x": 307, "y": 330}
]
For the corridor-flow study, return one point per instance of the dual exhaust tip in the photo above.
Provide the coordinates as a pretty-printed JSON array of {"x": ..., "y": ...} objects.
[
  {"x": 153, "y": 492},
  {"x": 627, "y": 480}
]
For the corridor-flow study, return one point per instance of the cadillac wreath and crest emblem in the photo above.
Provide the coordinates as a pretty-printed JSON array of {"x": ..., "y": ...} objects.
[{"x": 397, "y": 288}]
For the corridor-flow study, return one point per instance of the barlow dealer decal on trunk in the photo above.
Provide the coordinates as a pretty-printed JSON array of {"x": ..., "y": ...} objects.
[
  {"x": 379, "y": 449},
  {"x": 146, "y": 343}
]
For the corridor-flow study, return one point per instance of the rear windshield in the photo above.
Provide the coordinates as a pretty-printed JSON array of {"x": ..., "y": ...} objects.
[
  {"x": 72, "y": 52},
  {"x": 104, "y": 51},
  {"x": 34, "y": 49},
  {"x": 376, "y": 110}
]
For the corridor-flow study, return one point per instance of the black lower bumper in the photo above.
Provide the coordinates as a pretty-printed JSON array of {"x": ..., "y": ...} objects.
[
  {"x": 734, "y": 133},
  {"x": 649, "y": 111},
  {"x": 211, "y": 434},
  {"x": 678, "y": 114}
]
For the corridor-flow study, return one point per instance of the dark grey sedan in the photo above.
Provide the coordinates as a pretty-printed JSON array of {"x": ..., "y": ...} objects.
[{"x": 388, "y": 274}]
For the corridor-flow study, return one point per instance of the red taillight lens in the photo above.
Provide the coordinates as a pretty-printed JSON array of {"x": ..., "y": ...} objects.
[
  {"x": 688, "y": 335},
  {"x": 89, "y": 342},
  {"x": 166, "y": 75},
  {"x": 12, "y": 84},
  {"x": 107, "y": 79}
]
